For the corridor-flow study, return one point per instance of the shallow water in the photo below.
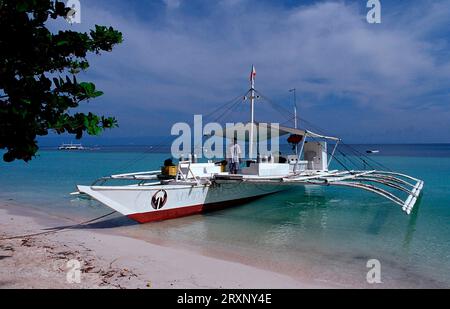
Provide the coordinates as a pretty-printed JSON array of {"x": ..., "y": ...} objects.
[{"x": 325, "y": 234}]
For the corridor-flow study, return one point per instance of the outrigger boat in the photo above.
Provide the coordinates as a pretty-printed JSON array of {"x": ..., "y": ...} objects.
[
  {"x": 71, "y": 147},
  {"x": 192, "y": 187}
]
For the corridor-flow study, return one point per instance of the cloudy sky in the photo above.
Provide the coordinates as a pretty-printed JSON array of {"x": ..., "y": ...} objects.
[{"x": 387, "y": 82}]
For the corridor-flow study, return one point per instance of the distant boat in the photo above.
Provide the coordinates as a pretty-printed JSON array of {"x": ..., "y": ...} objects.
[
  {"x": 372, "y": 151},
  {"x": 71, "y": 147}
]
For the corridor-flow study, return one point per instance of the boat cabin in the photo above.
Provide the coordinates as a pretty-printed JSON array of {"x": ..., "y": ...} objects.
[{"x": 313, "y": 156}]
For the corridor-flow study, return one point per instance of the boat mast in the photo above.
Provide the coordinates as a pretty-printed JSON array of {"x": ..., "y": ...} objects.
[
  {"x": 295, "y": 115},
  {"x": 295, "y": 107},
  {"x": 252, "y": 110}
]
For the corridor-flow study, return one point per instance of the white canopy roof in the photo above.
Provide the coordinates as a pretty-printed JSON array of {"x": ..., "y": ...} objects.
[
  {"x": 241, "y": 131},
  {"x": 307, "y": 133}
]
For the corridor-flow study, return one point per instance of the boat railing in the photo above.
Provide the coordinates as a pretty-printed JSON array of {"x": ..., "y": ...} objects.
[
  {"x": 186, "y": 176},
  {"x": 183, "y": 176},
  {"x": 142, "y": 176}
]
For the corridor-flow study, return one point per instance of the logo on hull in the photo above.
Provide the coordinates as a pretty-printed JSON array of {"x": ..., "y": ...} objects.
[{"x": 159, "y": 199}]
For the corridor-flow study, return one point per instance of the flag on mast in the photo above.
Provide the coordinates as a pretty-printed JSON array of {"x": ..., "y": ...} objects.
[{"x": 253, "y": 74}]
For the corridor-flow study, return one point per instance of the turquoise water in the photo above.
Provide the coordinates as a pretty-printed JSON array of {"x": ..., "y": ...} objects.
[{"x": 323, "y": 234}]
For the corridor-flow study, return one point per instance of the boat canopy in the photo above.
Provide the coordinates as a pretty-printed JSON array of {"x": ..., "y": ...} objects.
[
  {"x": 307, "y": 133},
  {"x": 240, "y": 131}
]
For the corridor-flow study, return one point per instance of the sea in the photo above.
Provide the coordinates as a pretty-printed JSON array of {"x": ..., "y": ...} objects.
[{"x": 330, "y": 236}]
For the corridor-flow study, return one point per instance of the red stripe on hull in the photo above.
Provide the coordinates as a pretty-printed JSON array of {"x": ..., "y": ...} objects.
[{"x": 160, "y": 215}]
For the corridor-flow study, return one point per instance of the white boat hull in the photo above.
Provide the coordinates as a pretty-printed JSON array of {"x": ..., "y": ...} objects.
[{"x": 153, "y": 203}]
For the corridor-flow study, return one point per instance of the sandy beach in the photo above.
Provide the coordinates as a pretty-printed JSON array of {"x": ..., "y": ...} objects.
[{"x": 107, "y": 260}]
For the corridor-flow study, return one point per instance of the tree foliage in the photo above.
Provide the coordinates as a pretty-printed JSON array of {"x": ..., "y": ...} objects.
[{"x": 38, "y": 86}]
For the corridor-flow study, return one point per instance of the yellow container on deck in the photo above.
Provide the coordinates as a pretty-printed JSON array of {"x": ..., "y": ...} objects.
[{"x": 169, "y": 170}]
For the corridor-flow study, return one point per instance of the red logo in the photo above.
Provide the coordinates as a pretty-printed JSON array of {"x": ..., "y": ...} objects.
[{"x": 159, "y": 199}]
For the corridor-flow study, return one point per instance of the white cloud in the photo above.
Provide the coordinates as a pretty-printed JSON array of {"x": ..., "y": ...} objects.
[
  {"x": 172, "y": 4},
  {"x": 322, "y": 49}
]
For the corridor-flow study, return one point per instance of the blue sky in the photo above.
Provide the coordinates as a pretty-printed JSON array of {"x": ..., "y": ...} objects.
[{"x": 363, "y": 82}]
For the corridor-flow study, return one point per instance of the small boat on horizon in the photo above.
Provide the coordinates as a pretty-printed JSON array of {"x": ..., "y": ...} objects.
[
  {"x": 372, "y": 151},
  {"x": 71, "y": 146}
]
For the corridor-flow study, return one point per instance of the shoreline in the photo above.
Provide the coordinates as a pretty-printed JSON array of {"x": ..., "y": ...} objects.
[{"x": 109, "y": 260}]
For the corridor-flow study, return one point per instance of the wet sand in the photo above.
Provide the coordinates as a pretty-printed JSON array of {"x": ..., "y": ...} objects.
[{"x": 104, "y": 259}]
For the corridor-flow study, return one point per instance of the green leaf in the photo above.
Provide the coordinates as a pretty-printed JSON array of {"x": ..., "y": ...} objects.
[
  {"x": 61, "y": 43},
  {"x": 89, "y": 88},
  {"x": 97, "y": 94},
  {"x": 42, "y": 96}
]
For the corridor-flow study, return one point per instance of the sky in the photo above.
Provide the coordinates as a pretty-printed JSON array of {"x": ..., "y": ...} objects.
[{"x": 366, "y": 83}]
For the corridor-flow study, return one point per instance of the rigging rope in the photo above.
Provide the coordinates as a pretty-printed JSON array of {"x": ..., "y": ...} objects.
[
  {"x": 332, "y": 155},
  {"x": 360, "y": 156},
  {"x": 230, "y": 108},
  {"x": 367, "y": 157},
  {"x": 357, "y": 153},
  {"x": 227, "y": 106},
  {"x": 284, "y": 112},
  {"x": 59, "y": 229},
  {"x": 349, "y": 159},
  {"x": 224, "y": 105}
]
